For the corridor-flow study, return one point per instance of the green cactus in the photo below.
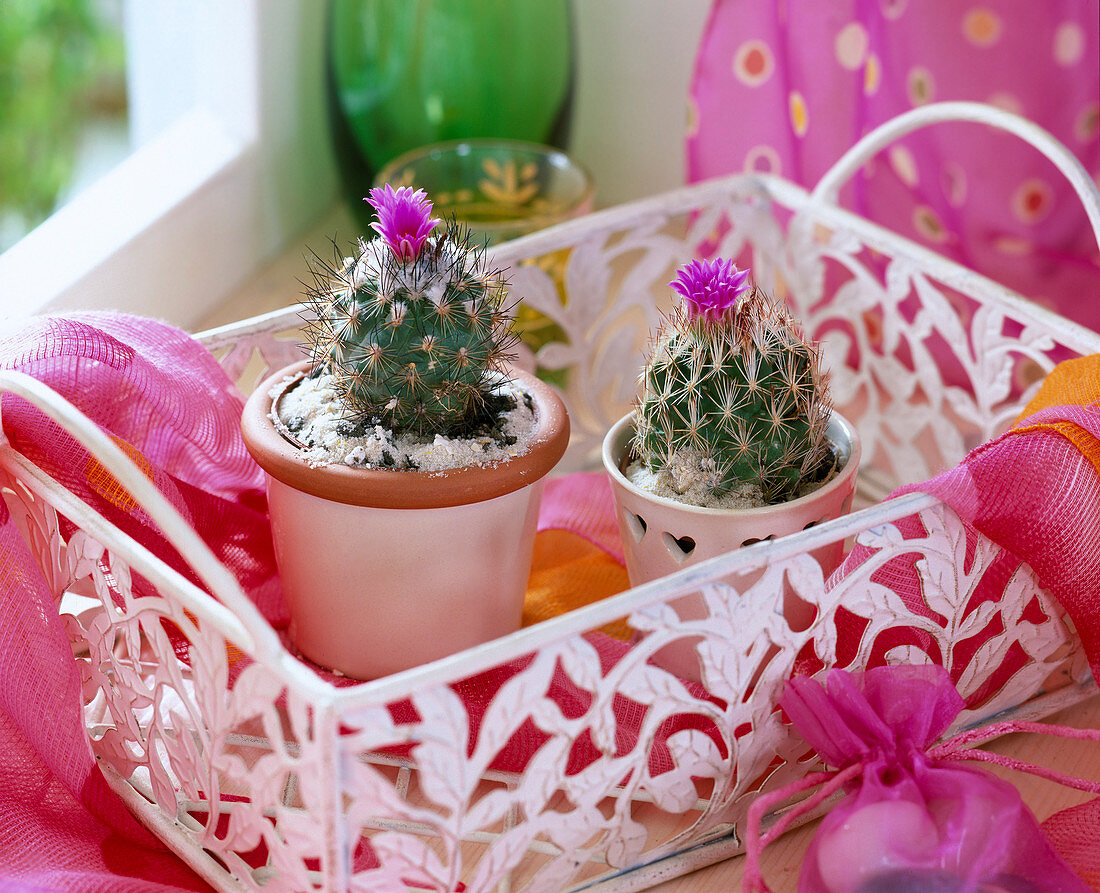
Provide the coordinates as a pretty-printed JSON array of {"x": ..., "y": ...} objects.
[
  {"x": 414, "y": 328},
  {"x": 732, "y": 392}
]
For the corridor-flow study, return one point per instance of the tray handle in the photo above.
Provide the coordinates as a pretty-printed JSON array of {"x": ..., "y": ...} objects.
[
  {"x": 220, "y": 581},
  {"x": 828, "y": 187}
]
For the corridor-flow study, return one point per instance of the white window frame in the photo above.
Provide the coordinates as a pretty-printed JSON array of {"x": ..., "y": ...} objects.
[{"x": 203, "y": 199}]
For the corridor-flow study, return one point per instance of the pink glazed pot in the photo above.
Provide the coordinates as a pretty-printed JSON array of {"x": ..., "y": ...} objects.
[{"x": 385, "y": 570}]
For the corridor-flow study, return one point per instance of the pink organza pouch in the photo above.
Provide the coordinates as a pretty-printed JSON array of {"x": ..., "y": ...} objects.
[{"x": 913, "y": 819}]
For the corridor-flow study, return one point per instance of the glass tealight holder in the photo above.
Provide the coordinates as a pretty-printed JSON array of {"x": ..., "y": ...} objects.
[{"x": 501, "y": 189}]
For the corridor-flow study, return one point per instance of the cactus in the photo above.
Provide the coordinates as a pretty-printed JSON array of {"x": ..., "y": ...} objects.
[
  {"x": 731, "y": 392},
  {"x": 414, "y": 328}
]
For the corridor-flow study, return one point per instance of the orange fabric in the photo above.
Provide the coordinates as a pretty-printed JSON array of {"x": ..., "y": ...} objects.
[
  {"x": 1071, "y": 383},
  {"x": 104, "y": 483},
  {"x": 569, "y": 572}
]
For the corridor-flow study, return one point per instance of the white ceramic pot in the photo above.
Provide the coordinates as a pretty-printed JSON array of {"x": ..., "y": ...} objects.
[
  {"x": 385, "y": 570},
  {"x": 661, "y": 536}
]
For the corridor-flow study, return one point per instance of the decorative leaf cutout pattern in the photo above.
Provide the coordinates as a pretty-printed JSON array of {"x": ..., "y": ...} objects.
[{"x": 276, "y": 785}]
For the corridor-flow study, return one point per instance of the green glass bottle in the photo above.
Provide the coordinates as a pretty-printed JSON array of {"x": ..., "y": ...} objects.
[{"x": 406, "y": 73}]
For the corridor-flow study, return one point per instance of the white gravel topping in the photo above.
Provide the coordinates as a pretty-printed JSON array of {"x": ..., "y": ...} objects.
[{"x": 312, "y": 412}]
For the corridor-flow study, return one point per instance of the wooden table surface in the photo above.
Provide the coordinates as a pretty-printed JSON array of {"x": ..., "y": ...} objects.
[{"x": 278, "y": 285}]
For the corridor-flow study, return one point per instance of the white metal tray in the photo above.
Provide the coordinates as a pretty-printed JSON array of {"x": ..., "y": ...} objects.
[{"x": 279, "y": 780}]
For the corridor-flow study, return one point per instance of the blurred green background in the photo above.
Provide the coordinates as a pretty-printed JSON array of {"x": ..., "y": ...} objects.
[{"x": 63, "y": 117}]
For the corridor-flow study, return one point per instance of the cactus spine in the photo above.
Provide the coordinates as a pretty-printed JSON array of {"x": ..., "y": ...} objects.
[
  {"x": 413, "y": 329},
  {"x": 732, "y": 392}
]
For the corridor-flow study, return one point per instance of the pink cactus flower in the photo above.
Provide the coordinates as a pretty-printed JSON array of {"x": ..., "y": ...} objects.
[
  {"x": 404, "y": 218},
  {"x": 710, "y": 288}
]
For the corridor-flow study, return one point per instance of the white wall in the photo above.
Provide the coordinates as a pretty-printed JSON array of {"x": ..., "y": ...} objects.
[{"x": 634, "y": 63}]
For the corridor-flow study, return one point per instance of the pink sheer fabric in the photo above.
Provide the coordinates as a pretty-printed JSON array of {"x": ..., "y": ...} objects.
[
  {"x": 1037, "y": 494},
  {"x": 168, "y": 402},
  {"x": 1073, "y": 833},
  {"x": 912, "y": 818},
  {"x": 158, "y": 391},
  {"x": 52, "y": 840},
  {"x": 786, "y": 87}
]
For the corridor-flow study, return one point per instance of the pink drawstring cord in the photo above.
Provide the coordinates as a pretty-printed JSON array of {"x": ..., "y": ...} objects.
[
  {"x": 753, "y": 880},
  {"x": 954, "y": 749},
  {"x": 984, "y": 733}
]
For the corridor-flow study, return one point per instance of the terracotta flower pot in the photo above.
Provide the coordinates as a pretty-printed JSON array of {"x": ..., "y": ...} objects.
[{"x": 385, "y": 570}]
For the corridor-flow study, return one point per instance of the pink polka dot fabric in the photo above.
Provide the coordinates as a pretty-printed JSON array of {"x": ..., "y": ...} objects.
[{"x": 785, "y": 87}]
